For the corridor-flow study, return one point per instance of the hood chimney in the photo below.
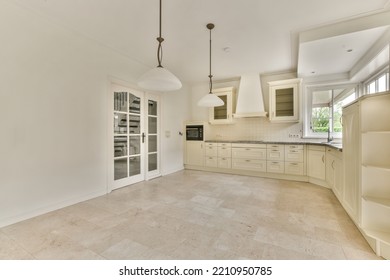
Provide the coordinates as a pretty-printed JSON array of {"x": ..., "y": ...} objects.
[{"x": 250, "y": 101}]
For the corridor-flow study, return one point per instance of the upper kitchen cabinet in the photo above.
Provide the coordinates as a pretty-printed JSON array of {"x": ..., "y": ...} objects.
[
  {"x": 283, "y": 100},
  {"x": 223, "y": 114}
]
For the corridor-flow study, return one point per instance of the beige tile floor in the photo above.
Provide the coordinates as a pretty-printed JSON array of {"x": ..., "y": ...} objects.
[{"x": 194, "y": 215}]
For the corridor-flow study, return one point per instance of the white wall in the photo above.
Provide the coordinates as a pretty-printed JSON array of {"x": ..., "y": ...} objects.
[
  {"x": 175, "y": 110},
  {"x": 53, "y": 115}
]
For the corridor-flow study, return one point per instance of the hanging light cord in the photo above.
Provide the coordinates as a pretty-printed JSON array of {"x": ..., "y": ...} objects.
[
  {"x": 210, "y": 26},
  {"x": 160, "y": 40}
]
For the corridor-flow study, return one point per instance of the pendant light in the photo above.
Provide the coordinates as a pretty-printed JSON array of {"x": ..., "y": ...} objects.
[
  {"x": 210, "y": 99},
  {"x": 159, "y": 78}
]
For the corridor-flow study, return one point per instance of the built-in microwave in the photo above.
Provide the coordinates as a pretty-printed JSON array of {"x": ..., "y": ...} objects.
[{"x": 194, "y": 132}]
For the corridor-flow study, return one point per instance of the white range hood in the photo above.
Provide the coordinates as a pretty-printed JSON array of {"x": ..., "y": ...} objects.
[{"x": 250, "y": 101}]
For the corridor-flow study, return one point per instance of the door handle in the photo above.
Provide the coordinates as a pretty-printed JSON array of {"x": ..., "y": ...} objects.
[{"x": 143, "y": 137}]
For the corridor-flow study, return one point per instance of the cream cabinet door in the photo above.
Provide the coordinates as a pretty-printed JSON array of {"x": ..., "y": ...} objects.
[
  {"x": 316, "y": 164},
  {"x": 195, "y": 153}
]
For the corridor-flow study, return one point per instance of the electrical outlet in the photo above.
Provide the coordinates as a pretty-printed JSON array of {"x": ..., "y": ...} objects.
[{"x": 292, "y": 135}]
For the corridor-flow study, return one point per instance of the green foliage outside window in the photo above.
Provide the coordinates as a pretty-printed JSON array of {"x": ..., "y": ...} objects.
[{"x": 320, "y": 119}]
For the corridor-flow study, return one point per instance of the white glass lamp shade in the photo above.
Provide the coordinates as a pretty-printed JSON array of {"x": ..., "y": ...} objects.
[
  {"x": 210, "y": 100},
  {"x": 159, "y": 79}
]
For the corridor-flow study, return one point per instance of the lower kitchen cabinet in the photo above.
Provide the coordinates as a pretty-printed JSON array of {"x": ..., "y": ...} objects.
[
  {"x": 294, "y": 168},
  {"x": 218, "y": 155},
  {"x": 275, "y": 166},
  {"x": 194, "y": 153},
  {"x": 251, "y": 157},
  {"x": 316, "y": 162},
  {"x": 294, "y": 160},
  {"x": 249, "y": 164},
  {"x": 334, "y": 172},
  {"x": 275, "y": 158}
]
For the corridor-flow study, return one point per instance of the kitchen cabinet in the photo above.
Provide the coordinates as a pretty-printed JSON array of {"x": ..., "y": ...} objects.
[
  {"x": 284, "y": 100},
  {"x": 250, "y": 157},
  {"x": 211, "y": 155},
  {"x": 375, "y": 171},
  {"x": 218, "y": 155},
  {"x": 223, "y": 114},
  {"x": 275, "y": 158},
  {"x": 335, "y": 172},
  {"x": 351, "y": 151},
  {"x": 194, "y": 154},
  {"x": 316, "y": 162},
  {"x": 294, "y": 160}
]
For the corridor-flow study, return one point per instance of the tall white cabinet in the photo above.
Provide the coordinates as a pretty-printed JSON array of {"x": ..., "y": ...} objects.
[
  {"x": 351, "y": 152},
  {"x": 368, "y": 121}
]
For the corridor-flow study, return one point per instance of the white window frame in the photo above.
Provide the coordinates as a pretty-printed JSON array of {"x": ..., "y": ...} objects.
[
  {"x": 375, "y": 78},
  {"x": 308, "y": 98}
]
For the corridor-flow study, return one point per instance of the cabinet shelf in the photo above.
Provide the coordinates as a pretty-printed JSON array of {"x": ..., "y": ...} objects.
[
  {"x": 380, "y": 201},
  {"x": 378, "y": 167},
  {"x": 383, "y": 132},
  {"x": 379, "y": 235}
]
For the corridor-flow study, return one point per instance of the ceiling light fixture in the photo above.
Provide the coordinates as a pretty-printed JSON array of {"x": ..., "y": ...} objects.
[
  {"x": 210, "y": 99},
  {"x": 159, "y": 78}
]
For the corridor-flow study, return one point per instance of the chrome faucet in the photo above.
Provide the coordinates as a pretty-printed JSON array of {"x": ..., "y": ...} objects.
[{"x": 330, "y": 138}]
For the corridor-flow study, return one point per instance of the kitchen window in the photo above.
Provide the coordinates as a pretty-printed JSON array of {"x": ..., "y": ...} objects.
[
  {"x": 324, "y": 109},
  {"x": 378, "y": 83}
]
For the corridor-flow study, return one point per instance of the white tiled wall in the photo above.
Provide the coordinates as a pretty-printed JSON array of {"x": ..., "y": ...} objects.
[{"x": 256, "y": 129}]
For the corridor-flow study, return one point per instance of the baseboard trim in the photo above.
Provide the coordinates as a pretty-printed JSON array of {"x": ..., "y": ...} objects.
[{"x": 49, "y": 208}]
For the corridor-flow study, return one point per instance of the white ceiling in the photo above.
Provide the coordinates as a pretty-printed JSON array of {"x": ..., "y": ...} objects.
[
  {"x": 336, "y": 54},
  {"x": 262, "y": 35}
]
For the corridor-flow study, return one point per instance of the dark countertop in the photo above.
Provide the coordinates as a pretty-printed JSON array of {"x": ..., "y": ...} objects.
[{"x": 337, "y": 146}]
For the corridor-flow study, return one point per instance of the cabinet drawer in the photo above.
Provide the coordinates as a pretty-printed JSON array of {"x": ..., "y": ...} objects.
[
  {"x": 249, "y": 164},
  {"x": 293, "y": 155},
  {"x": 294, "y": 147},
  {"x": 276, "y": 153},
  {"x": 246, "y": 145},
  {"x": 249, "y": 153},
  {"x": 224, "y": 162},
  {"x": 211, "y": 161},
  {"x": 224, "y": 151},
  {"x": 294, "y": 168},
  {"x": 211, "y": 150},
  {"x": 227, "y": 145},
  {"x": 275, "y": 166},
  {"x": 275, "y": 146}
]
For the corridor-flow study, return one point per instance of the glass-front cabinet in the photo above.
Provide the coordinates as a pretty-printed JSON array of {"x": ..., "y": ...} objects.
[
  {"x": 284, "y": 100},
  {"x": 223, "y": 114}
]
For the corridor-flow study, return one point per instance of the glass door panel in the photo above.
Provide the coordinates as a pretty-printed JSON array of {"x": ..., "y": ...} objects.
[
  {"x": 120, "y": 146},
  {"x": 284, "y": 102},
  {"x": 135, "y": 165},
  {"x": 220, "y": 112},
  {"x": 120, "y": 101},
  {"x": 120, "y": 168},
  {"x": 120, "y": 123},
  {"x": 128, "y": 148},
  {"x": 152, "y": 162},
  {"x": 152, "y": 137}
]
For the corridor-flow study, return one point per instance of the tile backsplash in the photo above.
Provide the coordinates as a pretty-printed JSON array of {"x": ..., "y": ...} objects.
[{"x": 256, "y": 129}]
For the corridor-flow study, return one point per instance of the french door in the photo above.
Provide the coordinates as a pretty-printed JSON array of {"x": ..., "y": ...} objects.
[{"x": 134, "y": 144}]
